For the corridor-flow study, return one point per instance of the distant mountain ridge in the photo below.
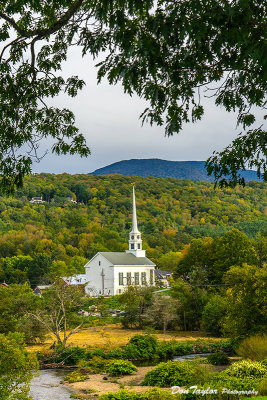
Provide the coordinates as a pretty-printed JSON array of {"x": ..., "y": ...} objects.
[{"x": 191, "y": 170}]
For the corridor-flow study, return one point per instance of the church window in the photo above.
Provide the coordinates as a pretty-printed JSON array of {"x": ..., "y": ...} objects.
[
  {"x": 143, "y": 278},
  {"x": 132, "y": 237},
  {"x": 128, "y": 278},
  {"x": 136, "y": 278},
  {"x": 138, "y": 237},
  {"x": 132, "y": 246},
  {"x": 139, "y": 246},
  {"x": 99, "y": 263},
  {"x": 121, "y": 278},
  {"x": 151, "y": 277}
]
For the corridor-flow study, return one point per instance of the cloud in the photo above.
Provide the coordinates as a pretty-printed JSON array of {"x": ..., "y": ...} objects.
[{"x": 109, "y": 119}]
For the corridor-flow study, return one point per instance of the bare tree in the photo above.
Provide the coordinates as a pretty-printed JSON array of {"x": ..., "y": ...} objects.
[
  {"x": 58, "y": 306},
  {"x": 162, "y": 311}
]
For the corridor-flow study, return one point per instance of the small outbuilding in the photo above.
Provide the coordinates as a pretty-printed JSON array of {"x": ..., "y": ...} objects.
[{"x": 163, "y": 277}]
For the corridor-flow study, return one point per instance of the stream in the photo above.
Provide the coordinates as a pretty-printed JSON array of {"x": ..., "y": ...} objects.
[
  {"x": 48, "y": 386},
  {"x": 149, "y": 363},
  {"x": 190, "y": 357}
]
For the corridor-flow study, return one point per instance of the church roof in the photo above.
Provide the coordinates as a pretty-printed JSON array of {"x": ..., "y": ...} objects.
[{"x": 120, "y": 258}]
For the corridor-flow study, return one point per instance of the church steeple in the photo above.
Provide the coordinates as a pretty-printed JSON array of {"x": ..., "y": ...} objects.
[
  {"x": 134, "y": 224},
  {"x": 135, "y": 241}
]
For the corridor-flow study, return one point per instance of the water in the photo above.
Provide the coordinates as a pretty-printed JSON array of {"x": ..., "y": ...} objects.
[
  {"x": 190, "y": 356},
  {"x": 145, "y": 363},
  {"x": 150, "y": 363},
  {"x": 47, "y": 386}
]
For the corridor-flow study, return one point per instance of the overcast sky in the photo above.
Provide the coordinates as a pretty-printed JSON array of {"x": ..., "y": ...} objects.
[{"x": 109, "y": 119}]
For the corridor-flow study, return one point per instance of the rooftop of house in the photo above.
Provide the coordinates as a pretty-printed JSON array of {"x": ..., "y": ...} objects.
[
  {"x": 37, "y": 200},
  {"x": 79, "y": 279},
  {"x": 162, "y": 274},
  {"x": 126, "y": 259},
  {"x": 42, "y": 287}
]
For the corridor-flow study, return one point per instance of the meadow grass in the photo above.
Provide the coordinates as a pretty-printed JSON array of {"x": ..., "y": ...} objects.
[
  {"x": 254, "y": 348},
  {"x": 111, "y": 336}
]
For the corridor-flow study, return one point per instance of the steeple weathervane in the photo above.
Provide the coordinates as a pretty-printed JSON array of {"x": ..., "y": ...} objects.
[{"x": 135, "y": 241}]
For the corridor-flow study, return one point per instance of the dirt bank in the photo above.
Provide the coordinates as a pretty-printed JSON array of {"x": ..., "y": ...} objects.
[{"x": 102, "y": 383}]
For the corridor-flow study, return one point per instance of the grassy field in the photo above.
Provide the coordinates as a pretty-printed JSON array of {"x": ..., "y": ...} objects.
[{"x": 110, "y": 336}]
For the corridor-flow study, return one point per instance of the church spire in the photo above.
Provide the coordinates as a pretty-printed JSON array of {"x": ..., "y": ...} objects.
[
  {"x": 134, "y": 224},
  {"x": 135, "y": 241}
]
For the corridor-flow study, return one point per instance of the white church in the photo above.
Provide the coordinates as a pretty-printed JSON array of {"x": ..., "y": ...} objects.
[{"x": 109, "y": 273}]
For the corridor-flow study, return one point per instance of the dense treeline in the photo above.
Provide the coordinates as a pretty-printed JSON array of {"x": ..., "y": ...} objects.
[
  {"x": 41, "y": 241},
  {"x": 213, "y": 240},
  {"x": 235, "y": 307}
]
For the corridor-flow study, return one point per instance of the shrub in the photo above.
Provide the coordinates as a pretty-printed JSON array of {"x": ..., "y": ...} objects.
[
  {"x": 65, "y": 355},
  {"x": 94, "y": 353},
  {"x": 201, "y": 372},
  {"x": 224, "y": 345},
  {"x": 262, "y": 387},
  {"x": 123, "y": 395},
  {"x": 204, "y": 346},
  {"x": 170, "y": 373},
  {"x": 116, "y": 354},
  {"x": 254, "y": 348},
  {"x": 158, "y": 394},
  {"x": 152, "y": 394},
  {"x": 167, "y": 350},
  {"x": 247, "y": 369},
  {"x": 141, "y": 347},
  {"x": 258, "y": 398},
  {"x": 223, "y": 380},
  {"x": 76, "y": 376},
  {"x": 120, "y": 367},
  {"x": 219, "y": 358},
  {"x": 96, "y": 365}
]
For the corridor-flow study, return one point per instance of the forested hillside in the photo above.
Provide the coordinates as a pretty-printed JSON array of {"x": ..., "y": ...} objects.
[{"x": 57, "y": 237}]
